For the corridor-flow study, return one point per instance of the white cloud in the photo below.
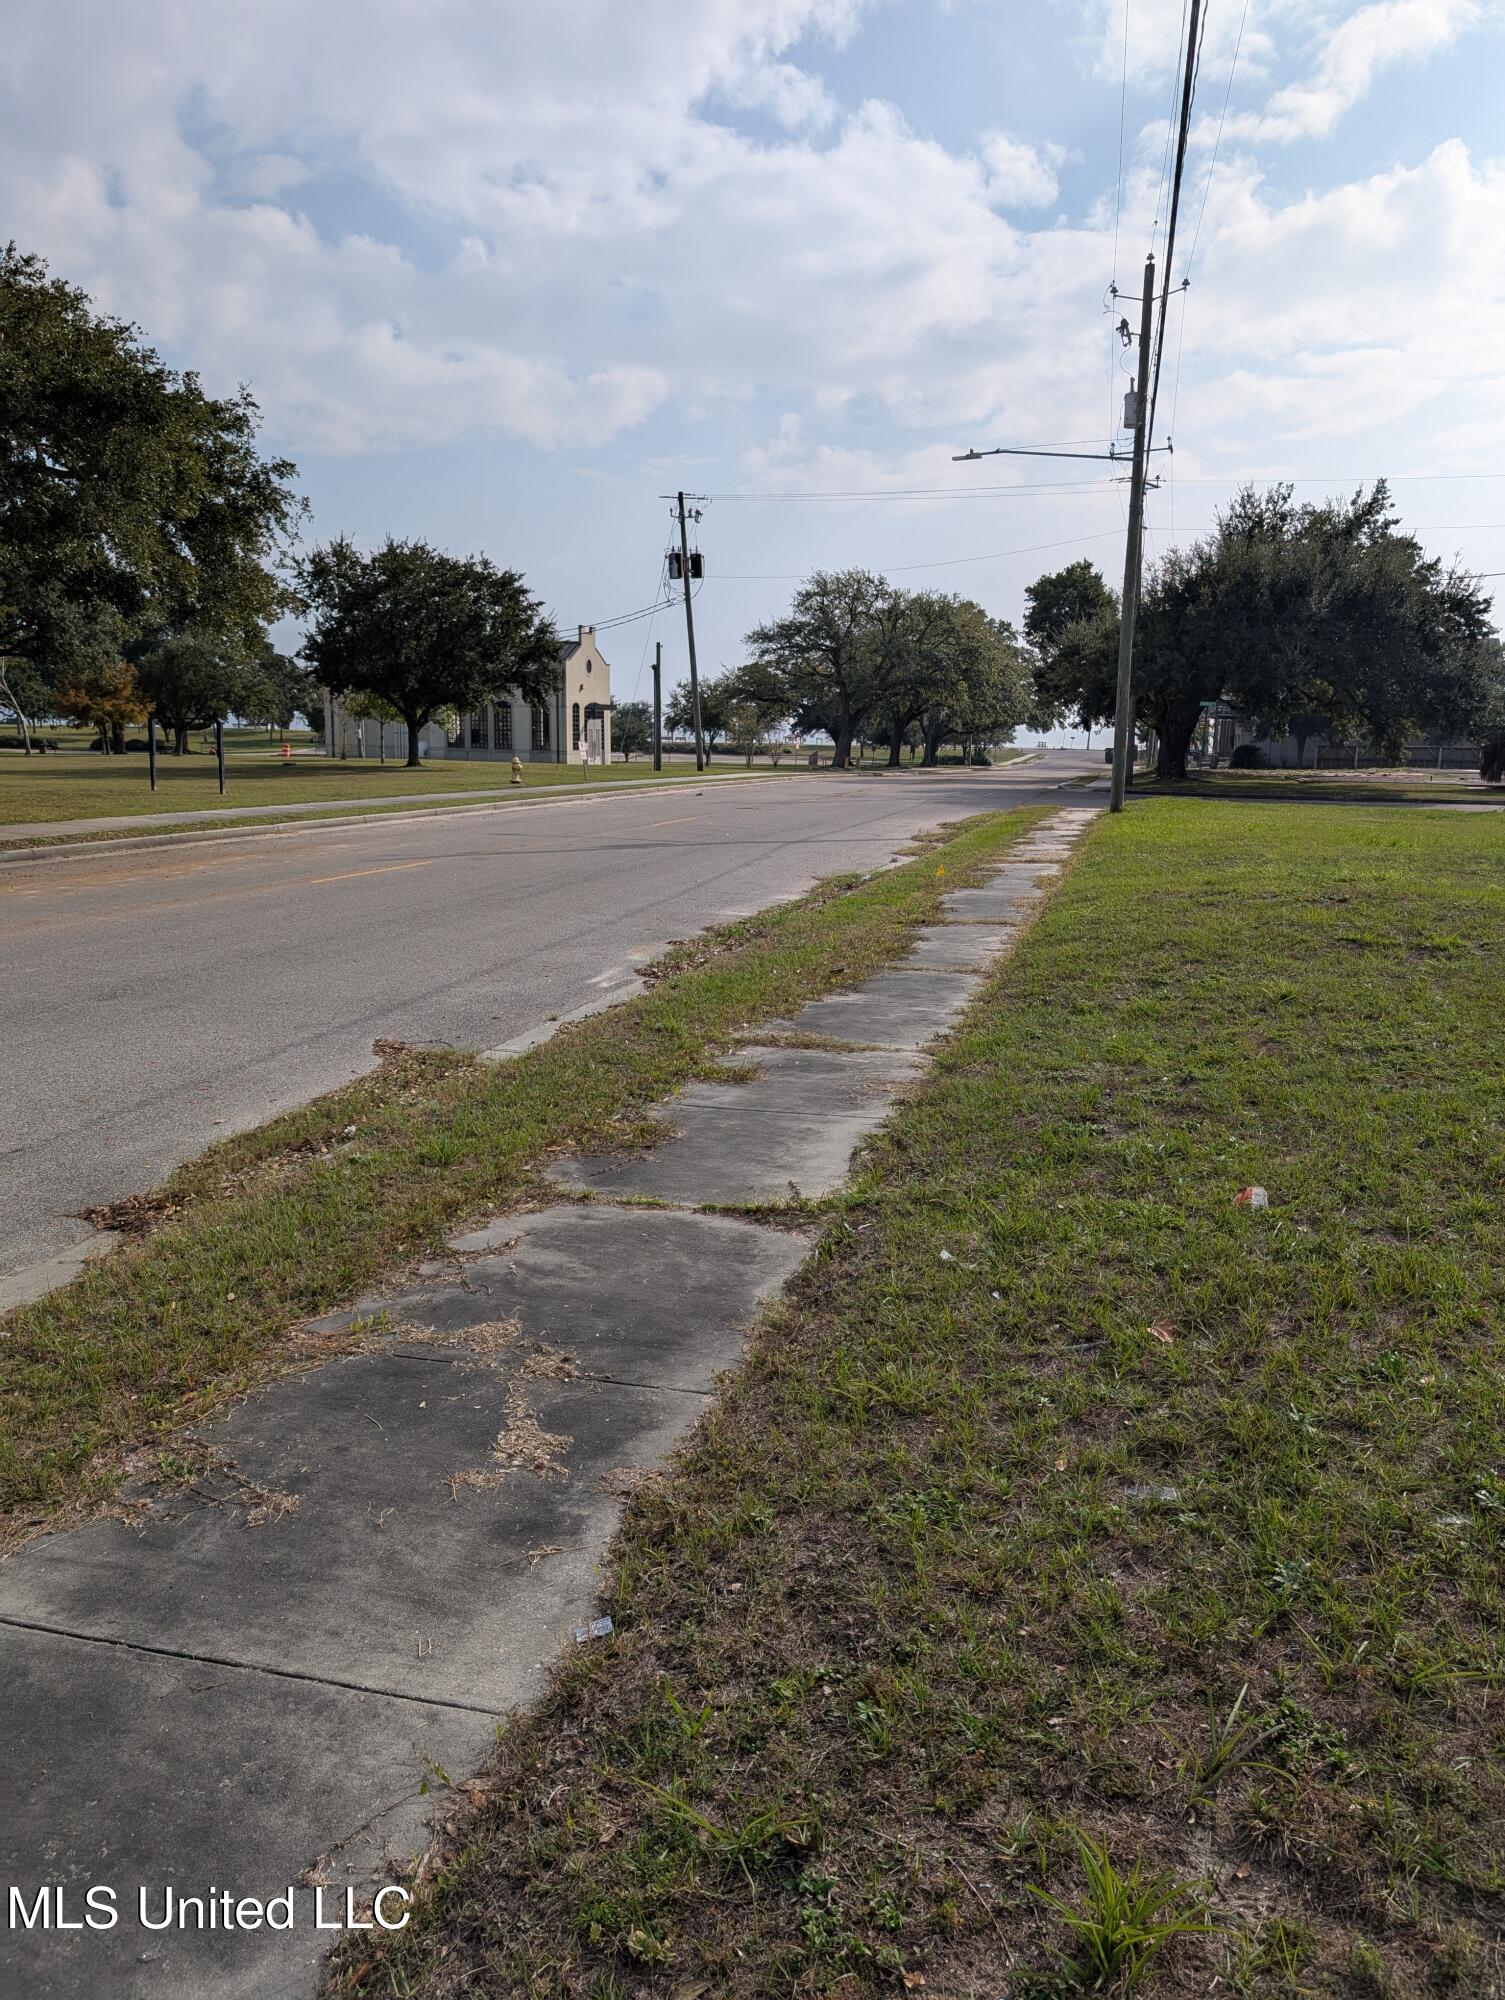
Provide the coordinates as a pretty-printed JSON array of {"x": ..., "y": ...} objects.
[
  {"x": 1021, "y": 175},
  {"x": 558, "y": 237},
  {"x": 1347, "y": 315},
  {"x": 794, "y": 97},
  {"x": 1352, "y": 53}
]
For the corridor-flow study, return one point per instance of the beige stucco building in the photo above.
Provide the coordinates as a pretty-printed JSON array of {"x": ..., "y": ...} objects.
[{"x": 553, "y": 732}]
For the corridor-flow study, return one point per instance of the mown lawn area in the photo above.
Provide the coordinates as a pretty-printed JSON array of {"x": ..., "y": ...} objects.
[
  {"x": 304, "y": 1213},
  {"x": 1074, "y": 1530},
  {"x": 1413, "y": 787},
  {"x": 34, "y": 789}
]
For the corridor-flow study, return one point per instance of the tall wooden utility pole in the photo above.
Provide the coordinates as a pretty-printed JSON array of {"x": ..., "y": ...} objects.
[
  {"x": 658, "y": 705},
  {"x": 1123, "y": 713},
  {"x": 684, "y": 552}
]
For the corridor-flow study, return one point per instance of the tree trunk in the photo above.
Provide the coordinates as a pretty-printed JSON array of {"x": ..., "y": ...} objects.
[
  {"x": 180, "y": 742},
  {"x": 117, "y": 739},
  {"x": 21, "y": 721},
  {"x": 415, "y": 722},
  {"x": 896, "y": 744},
  {"x": 1175, "y": 725},
  {"x": 932, "y": 756}
]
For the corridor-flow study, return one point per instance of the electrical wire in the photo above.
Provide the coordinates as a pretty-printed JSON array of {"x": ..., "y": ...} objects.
[
  {"x": 901, "y": 569},
  {"x": 1123, "y": 98},
  {"x": 1192, "y": 64},
  {"x": 1212, "y": 164},
  {"x": 1170, "y": 126}
]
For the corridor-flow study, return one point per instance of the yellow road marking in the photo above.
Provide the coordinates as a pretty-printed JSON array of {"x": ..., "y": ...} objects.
[{"x": 392, "y": 868}]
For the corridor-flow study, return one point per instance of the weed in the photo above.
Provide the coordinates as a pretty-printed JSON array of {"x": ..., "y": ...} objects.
[{"x": 1124, "y": 1922}]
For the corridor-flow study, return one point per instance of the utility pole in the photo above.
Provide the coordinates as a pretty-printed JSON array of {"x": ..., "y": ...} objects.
[
  {"x": 1123, "y": 714},
  {"x": 684, "y": 551},
  {"x": 658, "y": 705}
]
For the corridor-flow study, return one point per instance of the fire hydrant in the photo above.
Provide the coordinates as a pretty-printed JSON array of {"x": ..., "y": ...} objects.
[{"x": 517, "y": 770}]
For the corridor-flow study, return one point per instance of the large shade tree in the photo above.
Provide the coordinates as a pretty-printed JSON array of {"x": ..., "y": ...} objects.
[
  {"x": 1304, "y": 617},
  {"x": 631, "y": 728},
  {"x": 864, "y": 661},
  {"x": 130, "y": 500},
  {"x": 718, "y": 696},
  {"x": 822, "y": 661},
  {"x": 1056, "y": 604},
  {"x": 424, "y": 631},
  {"x": 194, "y": 678}
]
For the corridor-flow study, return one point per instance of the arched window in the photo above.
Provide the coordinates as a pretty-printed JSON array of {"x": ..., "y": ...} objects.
[
  {"x": 575, "y": 727},
  {"x": 540, "y": 727}
]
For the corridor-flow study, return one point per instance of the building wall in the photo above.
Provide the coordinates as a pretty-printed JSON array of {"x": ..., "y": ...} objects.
[{"x": 502, "y": 730}]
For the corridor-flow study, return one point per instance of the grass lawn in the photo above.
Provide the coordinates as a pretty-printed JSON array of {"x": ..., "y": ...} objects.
[
  {"x": 1145, "y": 1554},
  {"x": 287, "y": 1221},
  {"x": 1380, "y": 787},
  {"x": 92, "y": 787}
]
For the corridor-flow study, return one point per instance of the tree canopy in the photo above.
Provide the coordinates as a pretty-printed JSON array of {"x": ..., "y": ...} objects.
[
  {"x": 718, "y": 692},
  {"x": 855, "y": 656},
  {"x": 1054, "y": 604},
  {"x": 193, "y": 678},
  {"x": 631, "y": 728},
  {"x": 132, "y": 502},
  {"x": 424, "y": 631},
  {"x": 1303, "y": 617}
]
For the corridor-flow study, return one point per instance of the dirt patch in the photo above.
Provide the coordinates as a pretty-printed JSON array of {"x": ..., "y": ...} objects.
[
  {"x": 133, "y": 1214},
  {"x": 522, "y": 1444}
]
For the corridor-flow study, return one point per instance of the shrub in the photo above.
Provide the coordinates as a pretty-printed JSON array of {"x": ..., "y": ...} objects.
[{"x": 1247, "y": 757}]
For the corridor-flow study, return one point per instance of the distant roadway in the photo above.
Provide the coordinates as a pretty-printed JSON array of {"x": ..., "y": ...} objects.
[{"x": 153, "y": 1001}]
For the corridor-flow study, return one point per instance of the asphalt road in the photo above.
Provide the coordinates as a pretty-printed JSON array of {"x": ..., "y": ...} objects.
[{"x": 151, "y": 1002}]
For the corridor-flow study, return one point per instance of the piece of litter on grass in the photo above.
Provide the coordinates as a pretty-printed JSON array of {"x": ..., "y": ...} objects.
[
  {"x": 1061, "y": 1463},
  {"x": 997, "y": 1295},
  {"x": 1252, "y": 1197},
  {"x": 947, "y": 1258},
  {"x": 1163, "y": 1331},
  {"x": 598, "y": 1628}
]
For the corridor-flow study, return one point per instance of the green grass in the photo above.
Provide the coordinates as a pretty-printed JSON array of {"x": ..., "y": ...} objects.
[
  {"x": 284, "y": 1222},
  {"x": 36, "y": 789},
  {"x": 1307, "y": 787},
  {"x": 1146, "y": 1556}
]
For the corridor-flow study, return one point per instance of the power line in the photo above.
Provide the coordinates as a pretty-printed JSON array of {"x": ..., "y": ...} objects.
[
  {"x": 901, "y": 569},
  {"x": 1170, "y": 126},
  {"x": 1123, "y": 98},
  {"x": 1212, "y": 164},
  {"x": 1192, "y": 63}
]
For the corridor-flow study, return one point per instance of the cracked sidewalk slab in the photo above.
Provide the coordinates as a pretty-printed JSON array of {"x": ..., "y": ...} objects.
[
  {"x": 893, "y": 1010},
  {"x": 790, "y": 1131},
  {"x": 210, "y": 1755},
  {"x": 413, "y": 1588}
]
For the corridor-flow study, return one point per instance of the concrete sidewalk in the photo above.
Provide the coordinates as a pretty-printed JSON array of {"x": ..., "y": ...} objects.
[{"x": 256, "y": 1673}]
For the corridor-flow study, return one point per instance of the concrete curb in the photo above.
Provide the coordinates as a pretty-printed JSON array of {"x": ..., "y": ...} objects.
[
  {"x": 66, "y": 849},
  {"x": 66, "y": 846}
]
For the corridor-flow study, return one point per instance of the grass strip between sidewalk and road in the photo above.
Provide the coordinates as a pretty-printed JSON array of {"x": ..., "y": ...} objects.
[
  {"x": 1090, "y": 1582},
  {"x": 304, "y": 1213}
]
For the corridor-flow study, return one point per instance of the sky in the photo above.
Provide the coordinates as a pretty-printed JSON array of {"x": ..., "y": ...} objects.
[{"x": 502, "y": 274}]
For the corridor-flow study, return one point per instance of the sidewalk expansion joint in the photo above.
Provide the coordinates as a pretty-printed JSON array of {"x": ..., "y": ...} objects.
[{"x": 243, "y": 1666}]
